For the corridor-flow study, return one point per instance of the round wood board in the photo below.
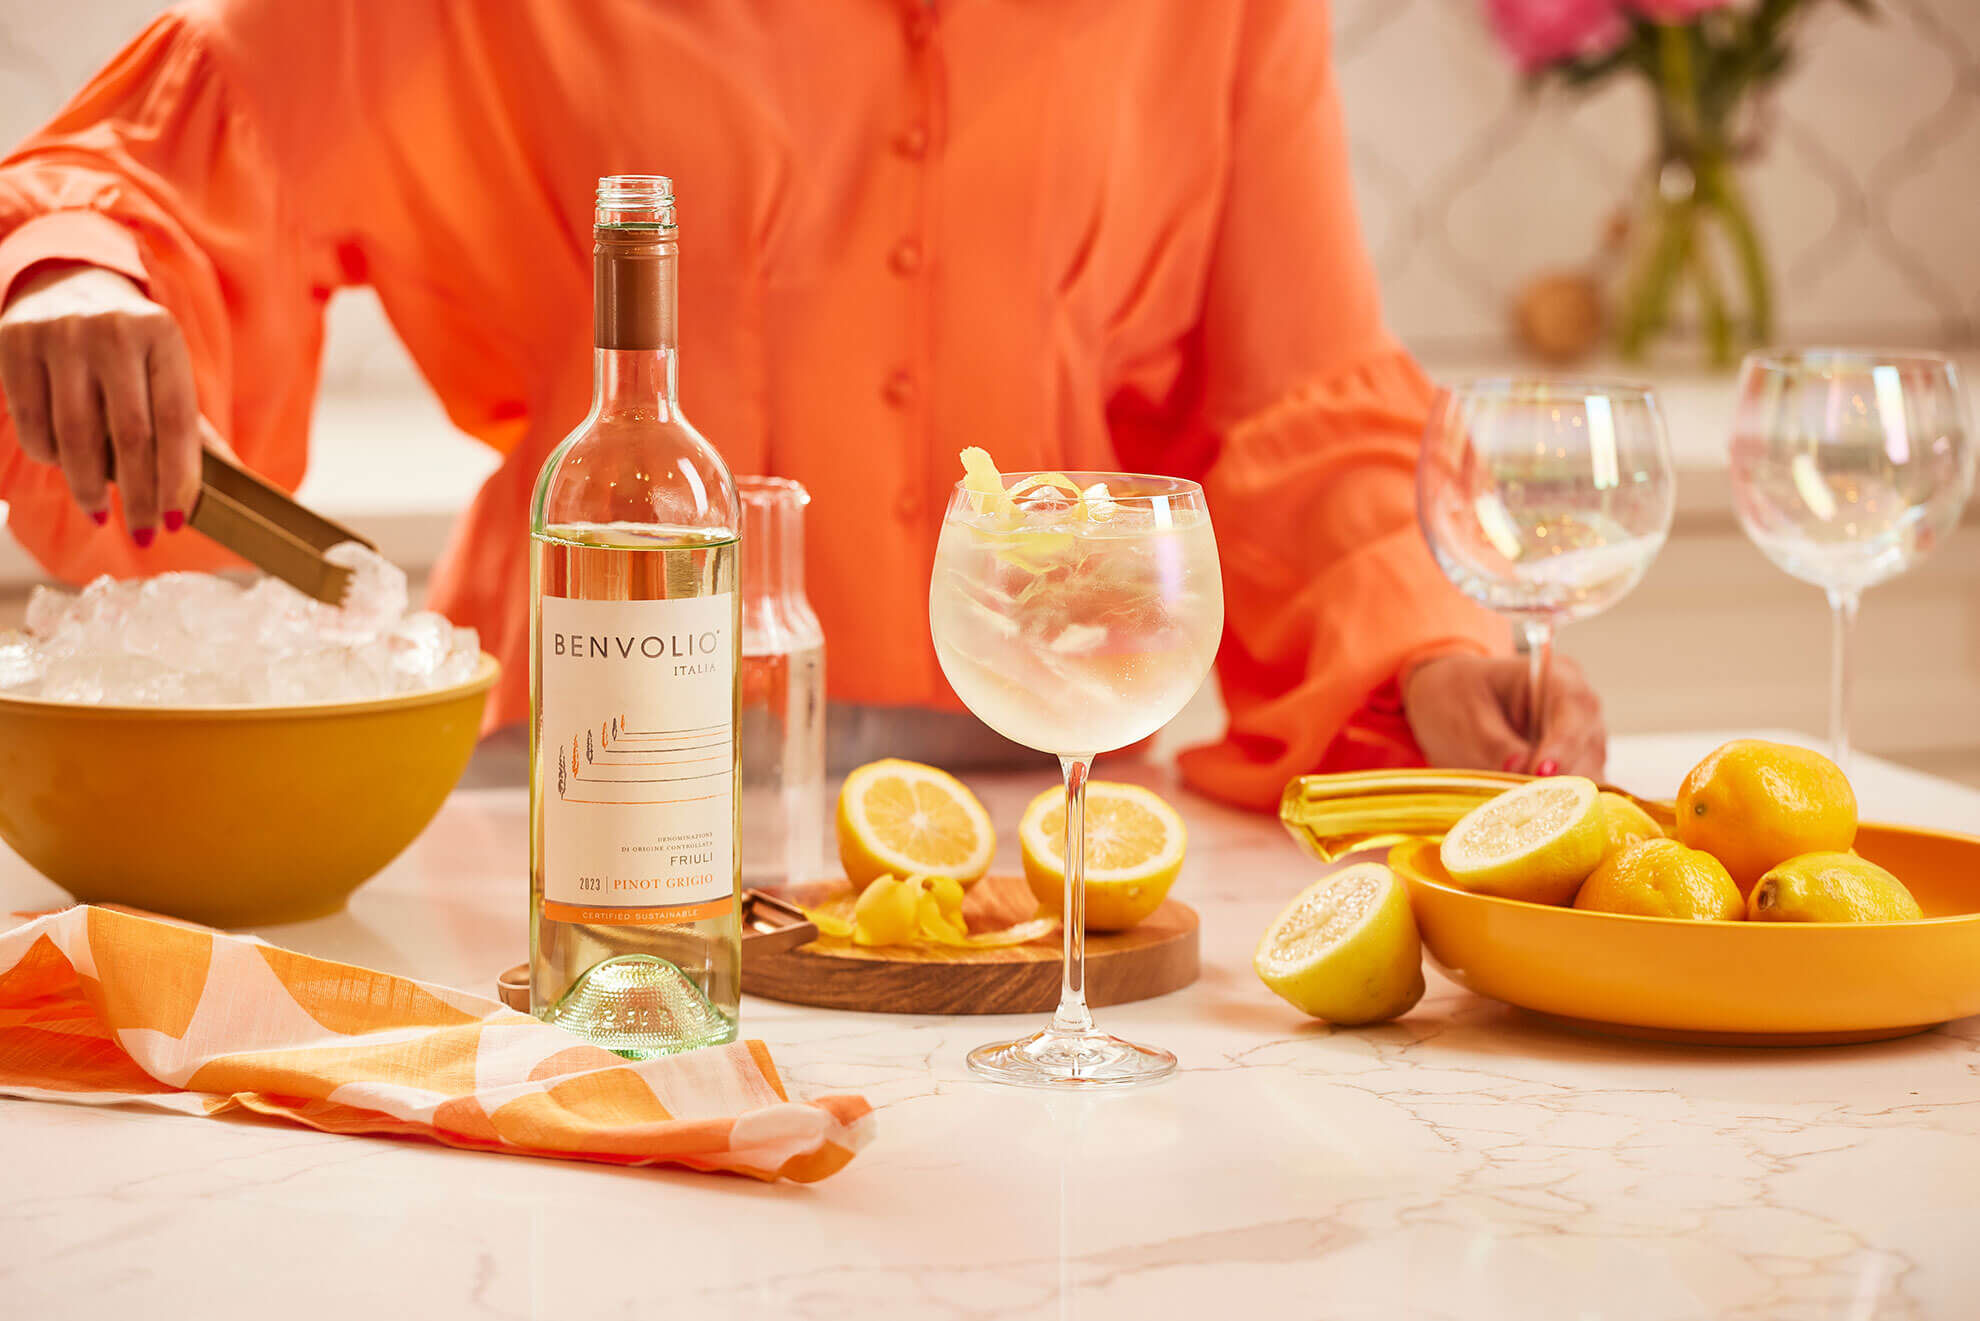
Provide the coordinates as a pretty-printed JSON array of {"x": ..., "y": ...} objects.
[{"x": 1154, "y": 958}]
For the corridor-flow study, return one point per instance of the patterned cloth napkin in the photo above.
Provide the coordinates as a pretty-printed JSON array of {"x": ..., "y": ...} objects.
[{"x": 106, "y": 1007}]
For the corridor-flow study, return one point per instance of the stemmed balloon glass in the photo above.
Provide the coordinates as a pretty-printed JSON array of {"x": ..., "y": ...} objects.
[
  {"x": 1545, "y": 500},
  {"x": 1848, "y": 467},
  {"x": 1076, "y": 618}
]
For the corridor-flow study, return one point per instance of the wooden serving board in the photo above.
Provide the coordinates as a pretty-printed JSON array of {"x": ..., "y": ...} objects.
[
  {"x": 1154, "y": 958},
  {"x": 783, "y": 960}
]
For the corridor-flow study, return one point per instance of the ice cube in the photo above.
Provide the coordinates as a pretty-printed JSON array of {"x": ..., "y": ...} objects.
[
  {"x": 195, "y": 639},
  {"x": 377, "y": 597},
  {"x": 1079, "y": 639},
  {"x": 418, "y": 644},
  {"x": 107, "y": 680},
  {"x": 47, "y": 608},
  {"x": 462, "y": 660},
  {"x": 21, "y": 662}
]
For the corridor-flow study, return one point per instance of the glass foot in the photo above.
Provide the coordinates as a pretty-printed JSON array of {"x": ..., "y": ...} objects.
[{"x": 1071, "y": 1060}]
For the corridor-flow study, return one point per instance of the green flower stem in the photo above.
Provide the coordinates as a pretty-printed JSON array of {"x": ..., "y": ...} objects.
[
  {"x": 1677, "y": 249},
  {"x": 1712, "y": 305},
  {"x": 1650, "y": 291},
  {"x": 1680, "y": 84},
  {"x": 1722, "y": 193}
]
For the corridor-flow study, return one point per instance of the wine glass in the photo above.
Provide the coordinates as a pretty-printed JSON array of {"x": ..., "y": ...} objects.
[
  {"x": 1076, "y": 619},
  {"x": 1545, "y": 500},
  {"x": 1848, "y": 467}
]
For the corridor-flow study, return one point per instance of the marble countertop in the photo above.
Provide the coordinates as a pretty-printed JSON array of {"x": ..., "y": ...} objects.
[{"x": 1465, "y": 1162}]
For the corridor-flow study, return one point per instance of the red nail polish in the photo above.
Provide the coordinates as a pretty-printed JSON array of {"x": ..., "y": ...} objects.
[
  {"x": 142, "y": 536},
  {"x": 1511, "y": 763},
  {"x": 1547, "y": 767},
  {"x": 99, "y": 516},
  {"x": 174, "y": 520}
]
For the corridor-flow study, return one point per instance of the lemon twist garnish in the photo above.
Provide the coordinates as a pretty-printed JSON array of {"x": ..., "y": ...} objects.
[
  {"x": 914, "y": 910},
  {"x": 981, "y": 476}
]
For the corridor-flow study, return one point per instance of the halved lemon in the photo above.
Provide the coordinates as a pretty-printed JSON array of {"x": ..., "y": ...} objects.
[
  {"x": 907, "y": 819},
  {"x": 1134, "y": 848},
  {"x": 1537, "y": 842},
  {"x": 1347, "y": 949}
]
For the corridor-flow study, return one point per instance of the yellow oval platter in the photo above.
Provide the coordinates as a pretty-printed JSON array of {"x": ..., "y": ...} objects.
[{"x": 1726, "y": 983}]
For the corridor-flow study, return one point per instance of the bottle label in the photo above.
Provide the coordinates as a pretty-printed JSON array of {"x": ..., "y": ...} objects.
[{"x": 638, "y": 759}]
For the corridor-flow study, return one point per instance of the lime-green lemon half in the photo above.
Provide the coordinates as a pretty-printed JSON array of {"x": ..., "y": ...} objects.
[
  {"x": 1346, "y": 950},
  {"x": 1537, "y": 842}
]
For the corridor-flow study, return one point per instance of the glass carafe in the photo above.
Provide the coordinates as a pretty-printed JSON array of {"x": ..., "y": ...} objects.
[{"x": 781, "y": 727}]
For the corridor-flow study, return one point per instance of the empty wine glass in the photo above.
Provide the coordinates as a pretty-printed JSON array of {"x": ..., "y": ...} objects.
[
  {"x": 1848, "y": 467},
  {"x": 1546, "y": 501}
]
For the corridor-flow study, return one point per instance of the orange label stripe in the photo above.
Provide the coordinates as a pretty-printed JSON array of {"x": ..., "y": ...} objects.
[{"x": 637, "y": 917}]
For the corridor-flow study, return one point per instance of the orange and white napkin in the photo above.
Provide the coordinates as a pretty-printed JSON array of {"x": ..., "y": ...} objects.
[{"x": 106, "y": 1007}]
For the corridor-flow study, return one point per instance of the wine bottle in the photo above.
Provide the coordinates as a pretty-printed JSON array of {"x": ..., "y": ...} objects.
[{"x": 634, "y": 631}]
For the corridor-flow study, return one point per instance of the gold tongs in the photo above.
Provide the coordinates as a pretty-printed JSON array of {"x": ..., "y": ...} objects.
[{"x": 271, "y": 531}]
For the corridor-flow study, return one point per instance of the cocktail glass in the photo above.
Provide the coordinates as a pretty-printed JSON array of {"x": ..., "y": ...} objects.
[{"x": 1076, "y": 613}]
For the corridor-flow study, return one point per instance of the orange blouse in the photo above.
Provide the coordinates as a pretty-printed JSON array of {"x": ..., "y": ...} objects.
[{"x": 1113, "y": 234}]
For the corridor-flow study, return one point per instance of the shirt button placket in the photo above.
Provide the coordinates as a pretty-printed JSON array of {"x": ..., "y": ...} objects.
[
  {"x": 907, "y": 259},
  {"x": 912, "y": 141}
]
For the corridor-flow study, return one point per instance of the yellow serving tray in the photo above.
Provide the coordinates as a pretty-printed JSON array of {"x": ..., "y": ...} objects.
[{"x": 1720, "y": 983}]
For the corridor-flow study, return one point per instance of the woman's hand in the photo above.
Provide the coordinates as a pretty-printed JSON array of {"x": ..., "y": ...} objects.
[
  {"x": 97, "y": 379},
  {"x": 1471, "y": 710}
]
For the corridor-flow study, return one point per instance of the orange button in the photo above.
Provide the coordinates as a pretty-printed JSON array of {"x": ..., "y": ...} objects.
[
  {"x": 920, "y": 26},
  {"x": 906, "y": 257},
  {"x": 909, "y": 506},
  {"x": 912, "y": 141},
  {"x": 899, "y": 389}
]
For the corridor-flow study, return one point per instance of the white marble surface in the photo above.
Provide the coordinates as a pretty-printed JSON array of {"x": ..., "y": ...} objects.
[{"x": 1466, "y": 1162}]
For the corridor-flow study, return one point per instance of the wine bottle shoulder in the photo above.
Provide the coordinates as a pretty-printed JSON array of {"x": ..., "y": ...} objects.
[{"x": 633, "y": 469}]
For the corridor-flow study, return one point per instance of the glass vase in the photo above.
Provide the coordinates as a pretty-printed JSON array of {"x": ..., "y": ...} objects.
[{"x": 1693, "y": 238}]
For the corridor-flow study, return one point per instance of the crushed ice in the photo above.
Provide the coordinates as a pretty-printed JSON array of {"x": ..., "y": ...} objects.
[{"x": 192, "y": 639}]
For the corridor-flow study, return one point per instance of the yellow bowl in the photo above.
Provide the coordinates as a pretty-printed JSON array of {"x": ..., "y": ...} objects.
[
  {"x": 1732, "y": 983},
  {"x": 231, "y": 816}
]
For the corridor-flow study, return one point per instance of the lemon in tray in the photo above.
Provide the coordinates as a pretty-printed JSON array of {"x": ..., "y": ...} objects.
[
  {"x": 1831, "y": 887},
  {"x": 1626, "y": 823},
  {"x": 1662, "y": 878},
  {"x": 1538, "y": 842},
  {"x": 1753, "y": 805}
]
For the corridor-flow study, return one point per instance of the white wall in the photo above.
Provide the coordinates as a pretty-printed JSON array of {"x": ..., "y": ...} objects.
[{"x": 1867, "y": 194}]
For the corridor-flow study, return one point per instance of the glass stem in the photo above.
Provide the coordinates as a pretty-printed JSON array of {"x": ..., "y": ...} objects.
[
  {"x": 1539, "y": 659},
  {"x": 1842, "y": 607},
  {"x": 1073, "y": 1017}
]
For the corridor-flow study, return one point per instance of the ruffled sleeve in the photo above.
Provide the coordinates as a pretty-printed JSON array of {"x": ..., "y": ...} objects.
[
  {"x": 1316, "y": 414},
  {"x": 1330, "y": 591},
  {"x": 156, "y": 170}
]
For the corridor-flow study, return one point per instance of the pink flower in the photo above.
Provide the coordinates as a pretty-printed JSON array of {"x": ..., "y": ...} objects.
[
  {"x": 1676, "y": 11},
  {"x": 1544, "y": 32}
]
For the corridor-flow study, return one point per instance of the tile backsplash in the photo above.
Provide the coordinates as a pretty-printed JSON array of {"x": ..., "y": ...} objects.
[{"x": 1868, "y": 191}]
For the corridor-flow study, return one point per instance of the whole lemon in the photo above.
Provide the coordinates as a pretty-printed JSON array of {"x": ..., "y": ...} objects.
[
  {"x": 1662, "y": 878},
  {"x": 1625, "y": 821},
  {"x": 1831, "y": 887},
  {"x": 1754, "y": 804}
]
